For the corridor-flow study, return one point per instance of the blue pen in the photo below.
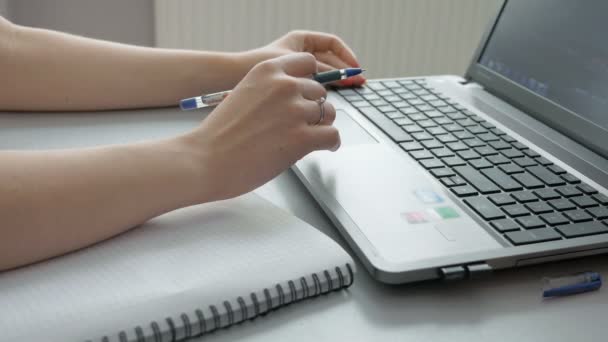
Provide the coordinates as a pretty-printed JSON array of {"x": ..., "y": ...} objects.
[{"x": 215, "y": 98}]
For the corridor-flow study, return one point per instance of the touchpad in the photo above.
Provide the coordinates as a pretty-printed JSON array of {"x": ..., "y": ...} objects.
[{"x": 351, "y": 133}]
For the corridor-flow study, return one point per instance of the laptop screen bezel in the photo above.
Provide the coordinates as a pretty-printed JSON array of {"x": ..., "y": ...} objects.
[{"x": 549, "y": 112}]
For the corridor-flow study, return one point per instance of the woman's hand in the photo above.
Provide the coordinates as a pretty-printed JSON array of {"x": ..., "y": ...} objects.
[
  {"x": 329, "y": 50},
  {"x": 266, "y": 124}
]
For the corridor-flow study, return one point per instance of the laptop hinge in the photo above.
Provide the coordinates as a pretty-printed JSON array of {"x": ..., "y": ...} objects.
[{"x": 472, "y": 271}]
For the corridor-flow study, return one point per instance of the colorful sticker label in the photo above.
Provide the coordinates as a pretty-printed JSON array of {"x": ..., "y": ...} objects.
[
  {"x": 430, "y": 215},
  {"x": 428, "y": 196}
]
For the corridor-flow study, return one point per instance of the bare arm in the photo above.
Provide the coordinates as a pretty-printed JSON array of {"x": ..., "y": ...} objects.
[
  {"x": 53, "y": 202},
  {"x": 49, "y": 70}
]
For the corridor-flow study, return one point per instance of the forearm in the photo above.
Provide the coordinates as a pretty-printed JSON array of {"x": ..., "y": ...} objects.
[
  {"x": 52, "y": 202},
  {"x": 48, "y": 70}
]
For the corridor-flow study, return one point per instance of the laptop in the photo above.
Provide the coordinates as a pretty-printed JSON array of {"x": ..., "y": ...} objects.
[{"x": 449, "y": 177}]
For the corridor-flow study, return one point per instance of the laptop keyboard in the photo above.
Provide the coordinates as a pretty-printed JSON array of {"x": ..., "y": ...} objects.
[{"x": 521, "y": 194}]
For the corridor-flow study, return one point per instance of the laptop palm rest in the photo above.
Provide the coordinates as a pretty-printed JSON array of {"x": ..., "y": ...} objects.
[{"x": 402, "y": 213}]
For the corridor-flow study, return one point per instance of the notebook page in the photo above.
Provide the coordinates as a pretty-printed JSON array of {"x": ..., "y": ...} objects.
[{"x": 174, "y": 263}]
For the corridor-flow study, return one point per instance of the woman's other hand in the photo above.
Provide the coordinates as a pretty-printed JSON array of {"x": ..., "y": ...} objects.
[{"x": 330, "y": 51}]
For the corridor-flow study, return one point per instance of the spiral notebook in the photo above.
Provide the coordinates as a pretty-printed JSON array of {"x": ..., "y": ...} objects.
[{"x": 183, "y": 274}]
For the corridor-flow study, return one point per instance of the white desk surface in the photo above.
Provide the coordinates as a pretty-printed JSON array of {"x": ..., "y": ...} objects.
[{"x": 504, "y": 307}]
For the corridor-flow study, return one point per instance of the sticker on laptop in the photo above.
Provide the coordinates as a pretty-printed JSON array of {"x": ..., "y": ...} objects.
[
  {"x": 428, "y": 196},
  {"x": 430, "y": 215}
]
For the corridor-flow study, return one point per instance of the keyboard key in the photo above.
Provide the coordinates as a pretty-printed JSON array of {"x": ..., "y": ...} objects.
[
  {"x": 378, "y": 103},
  {"x": 543, "y": 161},
  {"x": 531, "y": 153},
  {"x": 437, "y": 131},
  {"x": 554, "y": 219},
  {"x": 464, "y": 135},
  {"x": 556, "y": 169},
  {"x": 458, "y": 180},
  {"x": 524, "y": 196},
  {"x": 457, "y": 146},
  {"x": 530, "y": 222},
  {"x": 539, "y": 207},
  {"x": 442, "y": 172},
  {"x": 474, "y": 142},
  {"x": 411, "y": 129},
  {"x": 433, "y": 114},
  {"x": 587, "y": 189},
  {"x": 524, "y": 237},
  {"x": 443, "y": 121},
  {"x": 504, "y": 181},
  {"x": 498, "y": 159},
  {"x": 360, "y": 104},
  {"x": 371, "y": 97},
  {"x": 391, "y": 84},
  {"x": 528, "y": 181},
  {"x": 524, "y": 161},
  {"x": 411, "y": 146},
  {"x": 598, "y": 212},
  {"x": 464, "y": 190},
  {"x": 468, "y": 154},
  {"x": 446, "y": 109},
  {"x": 452, "y": 128},
  {"x": 447, "y": 138},
  {"x": 546, "y": 176},
  {"x": 403, "y": 121},
  {"x": 469, "y": 123},
  {"x": 516, "y": 210},
  {"x": 420, "y": 155},
  {"x": 497, "y": 131},
  {"x": 409, "y": 111},
  {"x": 453, "y": 161},
  {"x": 431, "y": 163},
  {"x": 486, "y": 151},
  {"x": 477, "y": 129},
  {"x": 512, "y": 153},
  {"x": 584, "y": 201},
  {"x": 476, "y": 179},
  {"x": 546, "y": 194},
  {"x": 487, "y": 137},
  {"x": 578, "y": 215},
  {"x": 392, "y": 98},
  {"x": 499, "y": 145},
  {"x": 505, "y": 225},
  {"x": 385, "y": 124},
  {"x": 511, "y": 168},
  {"x": 562, "y": 204},
  {"x": 353, "y": 98},
  {"x": 447, "y": 181},
  {"x": 582, "y": 229},
  {"x": 570, "y": 178},
  {"x": 568, "y": 191},
  {"x": 501, "y": 199},
  {"x": 431, "y": 144},
  {"x": 421, "y": 136},
  {"x": 603, "y": 199},
  {"x": 375, "y": 85},
  {"x": 400, "y": 104},
  {"x": 346, "y": 92},
  {"x": 508, "y": 139},
  {"x": 480, "y": 164},
  {"x": 519, "y": 146},
  {"x": 393, "y": 115},
  {"x": 484, "y": 208},
  {"x": 442, "y": 152},
  {"x": 456, "y": 116},
  {"x": 426, "y": 123}
]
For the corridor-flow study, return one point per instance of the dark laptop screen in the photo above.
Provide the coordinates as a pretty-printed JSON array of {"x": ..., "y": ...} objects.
[{"x": 557, "y": 49}]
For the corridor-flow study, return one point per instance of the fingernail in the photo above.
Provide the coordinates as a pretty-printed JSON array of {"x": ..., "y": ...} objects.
[{"x": 346, "y": 83}]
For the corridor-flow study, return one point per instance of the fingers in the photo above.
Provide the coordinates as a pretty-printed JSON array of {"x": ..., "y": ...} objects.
[
  {"x": 312, "y": 113},
  {"x": 324, "y": 42},
  {"x": 324, "y": 138},
  {"x": 312, "y": 90},
  {"x": 299, "y": 64}
]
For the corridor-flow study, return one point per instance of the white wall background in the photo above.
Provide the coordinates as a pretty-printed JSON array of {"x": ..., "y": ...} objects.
[
  {"x": 129, "y": 21},
  {"x": 391, "y": 37}
]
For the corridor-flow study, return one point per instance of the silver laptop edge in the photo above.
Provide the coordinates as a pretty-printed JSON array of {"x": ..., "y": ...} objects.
[{"x": 524, "y": 124}]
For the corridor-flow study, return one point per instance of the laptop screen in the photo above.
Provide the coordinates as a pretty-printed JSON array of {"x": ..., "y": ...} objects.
[{"x": 556, "y": 49}]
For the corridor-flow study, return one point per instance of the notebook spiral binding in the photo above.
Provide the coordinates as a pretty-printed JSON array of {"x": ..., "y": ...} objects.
[{"x": 228, "y": 313}]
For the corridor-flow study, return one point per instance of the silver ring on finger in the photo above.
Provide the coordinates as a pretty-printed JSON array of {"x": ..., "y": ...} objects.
[{"x": 321, "y": 102}]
